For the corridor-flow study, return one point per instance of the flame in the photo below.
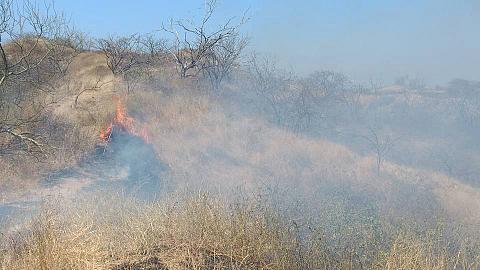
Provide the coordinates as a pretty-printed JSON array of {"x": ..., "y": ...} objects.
[
  {"x": 106, "y": 132},
  {"x": 144, "y": 133},
  {"x": 123, "y": 122}
]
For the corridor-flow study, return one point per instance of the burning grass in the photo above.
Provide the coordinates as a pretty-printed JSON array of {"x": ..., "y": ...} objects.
[{"x": 123, "y": 122}]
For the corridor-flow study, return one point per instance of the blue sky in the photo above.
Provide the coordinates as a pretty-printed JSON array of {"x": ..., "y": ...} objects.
[{"x": 434, "y": 39}]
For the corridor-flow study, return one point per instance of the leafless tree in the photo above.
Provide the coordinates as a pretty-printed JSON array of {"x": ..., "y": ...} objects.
[
  {"x": 322, "y": 93},
  {"x": 352, "y": 98},
  {"x": 380, "y": 143},
  {"x": 193, "y": 44},
  {"x": 297, "y": 102},
  {"x": 131, "y": 57},
  {"x": 153, "y": 49},
  {"x": 221, "y": 59},
  {"x": 275, "y": 88},
  {"x": 122, "y": 53},
  {"x": 304, "y": 110},
  {"x": 329, "y": 85},
  {"x": 80, "y": 41},
  {"x": 34, "y": 55}
]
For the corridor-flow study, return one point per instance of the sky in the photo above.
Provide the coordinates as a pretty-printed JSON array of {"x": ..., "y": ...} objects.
[{"x": 436, "y": 40}]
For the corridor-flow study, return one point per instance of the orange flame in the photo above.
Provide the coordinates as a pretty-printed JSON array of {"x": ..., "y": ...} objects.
[
  {"x": 105, "y": 132},
  {"x": 144, "y": 134},
  {"x": 124, "y": 122}
]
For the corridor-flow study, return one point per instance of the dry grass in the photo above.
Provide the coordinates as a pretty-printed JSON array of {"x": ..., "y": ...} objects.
[
  {"x": 410, "y": 252},
  {"x": 197, "y": 232},
  {"x": 203, "y": 144},
  {"x": 71, "y": 130},
  {"x": 206, "y": 146}
]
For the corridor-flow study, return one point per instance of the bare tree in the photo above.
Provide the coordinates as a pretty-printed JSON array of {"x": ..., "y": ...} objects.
[
  {"x": 34, "y": 54},
  {"x": 131, "y": 57},
  {"x": 192, "y": 43},
  {"x": 322, "y": 93},
  {"x": 351, "y": 98},
  {"x": 122, "y": 53},
  {"x": 274, "y": 87},
  {"x": 329, "y": 85},
  {"x": 221, "y": 59},
  {"x": 299, "y": 103},
  {"x": 80, "y": 41},
  {"x": 380, "y": 143},
  {"x": 153, "y": 49},
  {"x": 305, "y": 112}
]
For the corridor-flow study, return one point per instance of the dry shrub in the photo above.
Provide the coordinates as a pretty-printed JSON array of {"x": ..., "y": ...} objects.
[
  {"x": 408, "y": 252},
  {"x": 49, "y": 244},
  {"x": 429, "y": 252},
  {"x": 67, "y": 144},
  {"x": 69, "y": 128},
  {"x": 196, "y": 232},
  {"x": 172, "y": 112}
]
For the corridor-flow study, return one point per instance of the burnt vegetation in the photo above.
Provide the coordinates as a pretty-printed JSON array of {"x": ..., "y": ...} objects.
[{"x": 177, "y": 149}]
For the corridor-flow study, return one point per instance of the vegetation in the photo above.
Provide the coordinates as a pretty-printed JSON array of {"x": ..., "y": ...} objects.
[
  {"x": 202, "y": 232},
  {"x": 221, "y": 165}
]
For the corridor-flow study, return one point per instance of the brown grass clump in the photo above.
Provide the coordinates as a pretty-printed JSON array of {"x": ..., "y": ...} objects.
[{"x": 410, "y": 252}]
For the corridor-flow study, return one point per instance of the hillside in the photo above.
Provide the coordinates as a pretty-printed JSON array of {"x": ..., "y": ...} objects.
[
  {"x": 290, "y": 181},
  {"x": 190, "y": 146}
]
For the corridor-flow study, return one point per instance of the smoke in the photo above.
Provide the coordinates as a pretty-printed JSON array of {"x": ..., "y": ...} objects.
[
  {"x": 126, "y": 165},
  {"x": 362, "y": 160},
  {"x": 144, "y": 174}
]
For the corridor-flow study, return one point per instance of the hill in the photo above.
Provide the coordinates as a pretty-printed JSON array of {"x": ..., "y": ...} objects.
[{"x": 271, "y": 196}]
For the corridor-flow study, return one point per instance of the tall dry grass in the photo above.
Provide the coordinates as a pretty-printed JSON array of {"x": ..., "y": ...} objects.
[
  {"x": 207, "y": 145},
  {"x": 199, "y": 231}
]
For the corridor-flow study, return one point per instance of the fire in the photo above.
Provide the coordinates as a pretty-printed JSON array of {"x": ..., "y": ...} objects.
[
  {"x": 106, "y": 132},
  {"x": 123, "y": 122},
  {"x": 144, "y": 133}
]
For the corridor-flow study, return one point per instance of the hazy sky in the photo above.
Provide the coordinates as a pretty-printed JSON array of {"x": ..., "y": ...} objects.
[{"x": 382, "y": 39}]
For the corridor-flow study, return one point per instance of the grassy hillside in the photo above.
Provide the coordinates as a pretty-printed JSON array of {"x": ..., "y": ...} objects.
[{"x": 244, "y": 192}]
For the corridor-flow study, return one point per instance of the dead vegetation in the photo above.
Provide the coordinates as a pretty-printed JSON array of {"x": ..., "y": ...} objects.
[
  {"x": 203, "y": 147},
  {"x": 201, "y": 232},
  {"x": 265, "y": 129}
]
